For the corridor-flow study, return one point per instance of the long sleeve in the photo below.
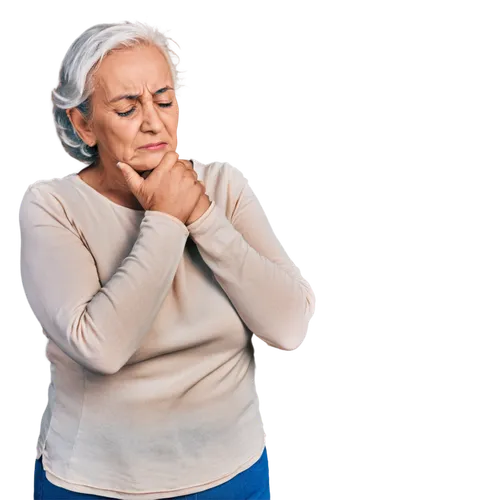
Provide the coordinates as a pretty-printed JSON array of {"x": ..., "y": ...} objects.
[
  {"x": 266, "y": 288},
  {"x": 98, "y": 327}
]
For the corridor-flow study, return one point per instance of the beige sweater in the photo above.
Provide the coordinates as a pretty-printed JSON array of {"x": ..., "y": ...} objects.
[{"x": 149, "y": 325}]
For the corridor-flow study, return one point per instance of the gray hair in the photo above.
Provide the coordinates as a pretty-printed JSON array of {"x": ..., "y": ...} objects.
[{"x": 81, "y": 61}]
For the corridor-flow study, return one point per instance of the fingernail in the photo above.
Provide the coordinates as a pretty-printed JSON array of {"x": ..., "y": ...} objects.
[{"x": 119, "y": 165}]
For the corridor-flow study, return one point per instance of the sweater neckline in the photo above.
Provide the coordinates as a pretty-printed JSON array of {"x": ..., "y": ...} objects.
[{"x": 121, "y": 207}]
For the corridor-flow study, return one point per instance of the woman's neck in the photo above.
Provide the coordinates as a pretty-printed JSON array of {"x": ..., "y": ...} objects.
[{"x": 111, "y": 183}]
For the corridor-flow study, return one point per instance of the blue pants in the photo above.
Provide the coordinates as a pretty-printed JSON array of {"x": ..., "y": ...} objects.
[{"x": 251, "y": 484}]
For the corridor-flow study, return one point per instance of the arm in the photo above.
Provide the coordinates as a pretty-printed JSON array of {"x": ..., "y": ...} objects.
[
  {"x": 266, "y": 288},
  {"x": 98, "y": 327}
]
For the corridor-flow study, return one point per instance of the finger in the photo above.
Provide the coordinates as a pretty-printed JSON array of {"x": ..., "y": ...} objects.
[
  {"x": 187, "y": 164},
  {"x": 170, "y": 158},
  {"x": 132, "y": 178}
]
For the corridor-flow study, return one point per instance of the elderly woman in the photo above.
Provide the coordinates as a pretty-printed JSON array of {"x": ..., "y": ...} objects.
[{"x": 149, "y": 280}]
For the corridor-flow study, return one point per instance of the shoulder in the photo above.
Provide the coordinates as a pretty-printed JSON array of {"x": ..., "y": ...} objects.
[
  {"x": 43, "y": 196},
  {"x": 227, "y": 185},
  {"x": 220, "y": 172}
]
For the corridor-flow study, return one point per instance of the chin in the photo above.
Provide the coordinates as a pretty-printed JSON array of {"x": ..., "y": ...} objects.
[
  {"x": 151, "y": 158},
  {"x": 144, "y": 166}
]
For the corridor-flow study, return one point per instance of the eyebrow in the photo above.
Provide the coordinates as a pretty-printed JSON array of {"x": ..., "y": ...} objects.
[{"x": 135, "y": 96}]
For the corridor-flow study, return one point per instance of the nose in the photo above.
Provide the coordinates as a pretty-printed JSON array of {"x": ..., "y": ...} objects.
[{"x": 151, "y": 121}]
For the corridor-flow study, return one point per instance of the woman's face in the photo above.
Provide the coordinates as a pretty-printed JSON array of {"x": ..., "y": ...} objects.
[{"x": 150, "y": 113}]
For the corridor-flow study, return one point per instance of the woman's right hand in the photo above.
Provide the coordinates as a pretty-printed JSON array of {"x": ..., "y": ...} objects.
[{"x": 172, "y": 187}]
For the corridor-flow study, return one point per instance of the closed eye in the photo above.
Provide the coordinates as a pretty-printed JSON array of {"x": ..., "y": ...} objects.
[{"x": 129, "y": 112}]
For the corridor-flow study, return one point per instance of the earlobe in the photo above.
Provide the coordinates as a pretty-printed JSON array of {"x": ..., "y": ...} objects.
[{"x": 81, "y": 127}]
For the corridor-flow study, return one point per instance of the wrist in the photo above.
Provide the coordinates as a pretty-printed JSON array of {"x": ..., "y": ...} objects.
[{"x": 202, "y": 206}]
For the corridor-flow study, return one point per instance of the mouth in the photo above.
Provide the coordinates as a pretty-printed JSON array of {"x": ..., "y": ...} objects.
[{"x": 154, "y": 145}]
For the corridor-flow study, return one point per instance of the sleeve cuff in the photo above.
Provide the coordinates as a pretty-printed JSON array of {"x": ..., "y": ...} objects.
[
  {"x": 164, "y": 216},
  {"x": 197, "y": 226}
]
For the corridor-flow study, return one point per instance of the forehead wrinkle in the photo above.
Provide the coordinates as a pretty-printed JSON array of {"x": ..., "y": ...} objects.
[
  {"x": 114, "y": 86},
  {"x": 111, "y": 85},
  {"x": 128, "y": 95}
]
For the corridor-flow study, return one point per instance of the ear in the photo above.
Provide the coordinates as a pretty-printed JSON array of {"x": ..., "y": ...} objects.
[{"x": 82, "y": 127}]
